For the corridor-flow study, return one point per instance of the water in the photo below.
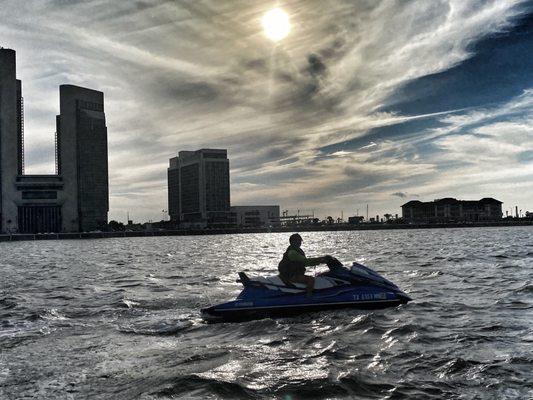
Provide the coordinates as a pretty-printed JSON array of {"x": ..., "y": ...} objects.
[{"x": 118, "y": 319}]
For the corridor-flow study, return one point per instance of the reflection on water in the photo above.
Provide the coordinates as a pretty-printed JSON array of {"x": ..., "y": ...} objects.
[{"x": 118, "y": 318}]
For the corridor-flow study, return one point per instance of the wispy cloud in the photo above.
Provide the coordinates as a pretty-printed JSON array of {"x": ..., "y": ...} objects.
[
  {"x": 401, "y": 195},
  {"x": 185, "y": 75}
]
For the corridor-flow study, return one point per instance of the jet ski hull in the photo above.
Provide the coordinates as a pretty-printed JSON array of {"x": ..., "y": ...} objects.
[
  {"x": 213, "y": 314},
  {"x": 290, "y": 305}
]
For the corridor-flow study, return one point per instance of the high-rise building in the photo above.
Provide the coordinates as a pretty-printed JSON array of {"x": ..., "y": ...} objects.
[
  {"x": 82, "y": 146},
  {"x": 10, "y": 137},
  {"x": 173, "y": 174},
  {"x": 198, "y": 187},
  {"x": 76, "y": 197}
]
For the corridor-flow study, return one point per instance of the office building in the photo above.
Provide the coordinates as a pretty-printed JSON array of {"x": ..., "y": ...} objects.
[
  {"x": 73, "y": 199},
  {"x": 255, "y": 216},
  {"x": 82, "y": 156},
  {"x": 173, "y": 177},
  {"x": 10, "y": 137},
  {"x": 198, "y": 188},
  {"x": 452, "y": 210}
]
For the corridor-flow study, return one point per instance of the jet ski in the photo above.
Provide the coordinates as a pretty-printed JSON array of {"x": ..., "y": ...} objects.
[{"x": 340, "y": 287}]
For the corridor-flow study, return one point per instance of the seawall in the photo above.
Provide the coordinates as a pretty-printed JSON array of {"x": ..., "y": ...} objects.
[{"x": 230, "y": 231}]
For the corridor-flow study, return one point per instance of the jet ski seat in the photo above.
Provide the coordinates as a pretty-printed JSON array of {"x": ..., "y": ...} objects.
[{"x": 275, "y": 283}]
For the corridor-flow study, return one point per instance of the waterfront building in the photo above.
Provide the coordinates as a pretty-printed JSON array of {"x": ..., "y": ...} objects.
[
  {"x": 199, "y": 188},
  {"x": 255, "y": 216},
  {"x": 82, "y": 156},
  {"x": 75, "y": 198},
  {"x": 452, "y": 210},
  {"x": 11, "y": 138},
  {"x": 173, "y": 185}
]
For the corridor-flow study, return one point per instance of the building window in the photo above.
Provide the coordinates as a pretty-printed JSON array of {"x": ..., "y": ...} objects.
[{"x": 34, "y": 195}]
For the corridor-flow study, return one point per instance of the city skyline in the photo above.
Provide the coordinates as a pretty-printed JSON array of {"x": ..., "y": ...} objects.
[
  {"x": 360, "y": 103},
  {"x": 75, "y": 197}
]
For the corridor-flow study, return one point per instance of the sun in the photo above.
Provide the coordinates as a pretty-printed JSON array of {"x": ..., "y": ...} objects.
[{"x": 276, "y": 24}]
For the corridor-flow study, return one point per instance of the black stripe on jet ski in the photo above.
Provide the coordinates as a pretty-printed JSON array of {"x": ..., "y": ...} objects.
[{"x": 306, "y": 305}]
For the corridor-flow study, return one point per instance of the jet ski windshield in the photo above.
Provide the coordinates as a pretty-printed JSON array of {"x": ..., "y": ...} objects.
[{"x": 356, "y": 273}]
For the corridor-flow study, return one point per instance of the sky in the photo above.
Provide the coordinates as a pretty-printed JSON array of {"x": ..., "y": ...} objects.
[{"x": 363, "y": 102}]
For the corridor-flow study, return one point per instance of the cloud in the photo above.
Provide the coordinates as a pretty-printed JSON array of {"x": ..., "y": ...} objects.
[
  {"x": 186, "y": 75},
  {"x": 401, "y": 195},
  {"x": 368, "y": 146},
  {"x": 478, "y": 153}
]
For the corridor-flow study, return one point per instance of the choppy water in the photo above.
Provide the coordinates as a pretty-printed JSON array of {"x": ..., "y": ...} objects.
[{"x": 118, "y": 318}]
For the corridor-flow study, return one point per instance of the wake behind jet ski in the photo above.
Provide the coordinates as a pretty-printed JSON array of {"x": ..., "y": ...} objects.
[{"x": 340, "y": 287}]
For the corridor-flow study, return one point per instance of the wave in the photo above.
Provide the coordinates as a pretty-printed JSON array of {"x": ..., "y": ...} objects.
[
  {"x": 160, "y": 304},
  {"x": 8, "y": 303},
  {"x": 190, "y": 384},
  {"x": 405, "y": 330},
  {"x": 456, "y": 365},
  {"x": 526, "y": 288},
  {"x": 130, "y": 303},
  {"x": 161, "y": 328},
  {"x": 492, "y": 328},
  {"x": 514, "y": 304},
  {"x": 501, "y": 256},
  {"x": 352, "y": 386},
  {"x": 52, "y": 314},
  {"x": 417, "y": 273},
  {"x": 467, "y": 322},
  {"x": 60, "y": 297}
]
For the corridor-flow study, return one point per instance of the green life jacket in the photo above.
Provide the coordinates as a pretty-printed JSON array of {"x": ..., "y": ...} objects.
[{"x": 288, "y": 268}]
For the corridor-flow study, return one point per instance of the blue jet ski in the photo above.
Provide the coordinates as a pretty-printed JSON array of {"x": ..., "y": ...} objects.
[{"x": 340, "y": 287}]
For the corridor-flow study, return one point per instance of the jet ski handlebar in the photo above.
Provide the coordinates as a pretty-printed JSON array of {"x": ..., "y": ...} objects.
[{"x": 332, "y": 263}]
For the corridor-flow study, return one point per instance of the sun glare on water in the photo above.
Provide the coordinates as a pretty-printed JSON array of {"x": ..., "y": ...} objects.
[{"x": 276, "y": 24}]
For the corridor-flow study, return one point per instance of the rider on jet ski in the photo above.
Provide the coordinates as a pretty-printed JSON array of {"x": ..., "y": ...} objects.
[{"x": 292, "y": 265}]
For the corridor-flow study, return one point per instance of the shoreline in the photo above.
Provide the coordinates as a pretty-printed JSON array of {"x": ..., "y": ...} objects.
[{"x": 236, "y": 231}]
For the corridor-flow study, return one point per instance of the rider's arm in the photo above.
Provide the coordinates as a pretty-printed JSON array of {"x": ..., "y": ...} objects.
[{"x": 308, "y": 262}]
